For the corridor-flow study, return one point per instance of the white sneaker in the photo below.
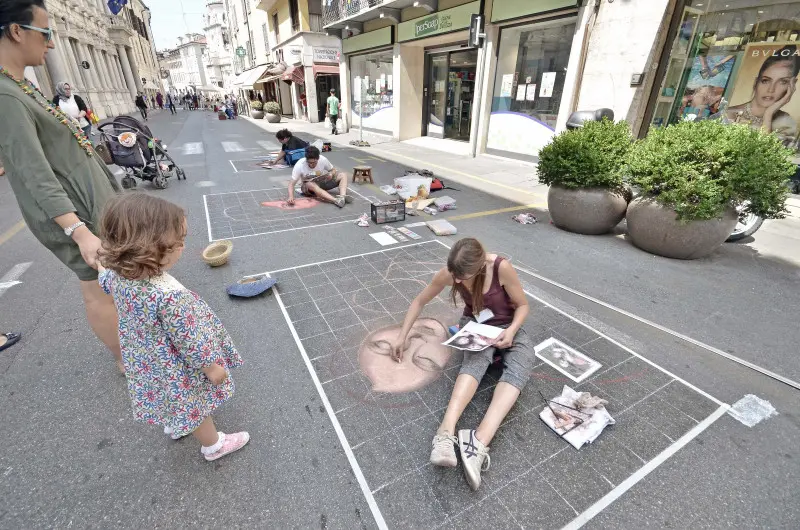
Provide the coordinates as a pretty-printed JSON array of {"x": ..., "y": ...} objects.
[
  {"x": 444, "y": 451},
  {"x": 474, "y": 457}
]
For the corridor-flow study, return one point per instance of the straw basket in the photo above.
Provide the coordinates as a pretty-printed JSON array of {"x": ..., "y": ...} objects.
[{"x": 216, "y": 254}]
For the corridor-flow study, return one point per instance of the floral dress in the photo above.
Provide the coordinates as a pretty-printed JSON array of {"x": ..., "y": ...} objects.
[{"x": 167, "y": 335}]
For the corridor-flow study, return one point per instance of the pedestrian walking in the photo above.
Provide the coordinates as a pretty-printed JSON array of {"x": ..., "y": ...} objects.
[
  {"x": 60, "y": 184},
  {"x": 73, "y": 106},
  {"x": 160, "y": 100},
  {"x": 141, "y": 104},
  {"x": 194, "y": 102},
  {"x": 176, "y": 352},
  {"x": 332, "y": 107},
  {"x": 171, "y": 104}
]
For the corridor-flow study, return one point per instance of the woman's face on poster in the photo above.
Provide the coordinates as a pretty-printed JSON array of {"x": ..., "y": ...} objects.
[
  {"x": 423, "y": 360},
  {"x": 774, "y": 83}
]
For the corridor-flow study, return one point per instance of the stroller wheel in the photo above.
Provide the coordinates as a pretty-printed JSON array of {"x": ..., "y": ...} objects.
[
  {"x": 128, "y": 182},
  {"x": 160, "y": 182},
  {"x": 180, "y": 173}
]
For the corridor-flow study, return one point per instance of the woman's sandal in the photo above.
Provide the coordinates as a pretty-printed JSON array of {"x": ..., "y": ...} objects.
[{"x": 10, "y": 340}]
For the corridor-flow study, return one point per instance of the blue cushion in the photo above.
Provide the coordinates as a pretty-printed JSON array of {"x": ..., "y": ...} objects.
[{"x": 250, "y": 289}]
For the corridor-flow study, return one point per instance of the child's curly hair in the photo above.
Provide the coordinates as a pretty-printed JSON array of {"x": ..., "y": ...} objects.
[{"x": 138, "y": 231}]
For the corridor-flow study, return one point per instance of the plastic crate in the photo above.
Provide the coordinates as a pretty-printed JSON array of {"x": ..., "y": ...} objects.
[{"x": 388, "y": 212}]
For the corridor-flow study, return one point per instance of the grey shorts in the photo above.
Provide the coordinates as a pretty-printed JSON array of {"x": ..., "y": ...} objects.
[
  {"x": 326, "y": 184},
  {"x": 518, "y": 360}
]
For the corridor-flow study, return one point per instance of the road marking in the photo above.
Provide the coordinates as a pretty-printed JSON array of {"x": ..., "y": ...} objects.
[
  {"x": 366, "y": 158},
  {"x": 208, "y": 218},
  {"x": 631, "y": 481},
  {"x": 233, "y": 166},
  {"x": 269, "y": 146},
  {"x": 492, "y": 212},
  {"x": 11, "y": 278},
  {"x": 205, "y": 184},
  {"x": 194, "y": 148},
  {"x": 468, "y": 175},
  {"x": 288, "y": 229},
  {"x": 232, "y": 147},
  {"x": 11, "y": 232},
  {"x": 667, "y": 330},
  {"x": 362, "y": 481}
]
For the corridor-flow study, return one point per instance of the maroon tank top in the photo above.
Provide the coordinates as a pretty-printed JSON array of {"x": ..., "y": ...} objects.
[{"x": 496, "y": 299}]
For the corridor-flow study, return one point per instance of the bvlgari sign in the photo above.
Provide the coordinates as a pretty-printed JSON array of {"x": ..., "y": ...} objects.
[{"x": 453, "y": 19}]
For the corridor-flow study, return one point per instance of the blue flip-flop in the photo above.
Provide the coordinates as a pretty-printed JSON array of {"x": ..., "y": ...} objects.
[
  {"x": 252, "y": 286},
  {"x": 11, "y": 339}
]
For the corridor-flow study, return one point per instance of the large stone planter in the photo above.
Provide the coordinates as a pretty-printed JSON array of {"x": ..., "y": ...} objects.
[
  {"x": 272, "y": 118},
  {"x": 654, "y": 228},
  {"x": 590, "y": 211},
  {"x": 257, "y": 114}
]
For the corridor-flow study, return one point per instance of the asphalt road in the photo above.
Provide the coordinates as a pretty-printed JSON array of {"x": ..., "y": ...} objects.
[{"x": 74, "y": 457}]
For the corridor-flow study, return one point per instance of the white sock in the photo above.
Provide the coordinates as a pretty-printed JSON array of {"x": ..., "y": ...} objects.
[{"x": 216, "y": 447}]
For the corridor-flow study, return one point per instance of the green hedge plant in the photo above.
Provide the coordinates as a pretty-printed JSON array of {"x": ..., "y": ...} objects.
[
  {"x": 589, "y": 157},
  {"x": 272, "y": 107},
  {"x": 701, "y": 168},
  {"x": 256, "y": 105}
]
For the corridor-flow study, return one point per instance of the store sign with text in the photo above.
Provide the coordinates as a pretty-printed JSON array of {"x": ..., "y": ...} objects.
[
  {"x": 326, "y": 55},
  {"x": 453, "y": 19}
]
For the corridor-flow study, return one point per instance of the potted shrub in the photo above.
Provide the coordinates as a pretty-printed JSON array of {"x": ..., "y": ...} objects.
[
  {"x": 272, "y": 111},
  {"x": 583, "y": 169},
  {"x": 693, "y": 175},
  {"x": 257, "y": 111}
]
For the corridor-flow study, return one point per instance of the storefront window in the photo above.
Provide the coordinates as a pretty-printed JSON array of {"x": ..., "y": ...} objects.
[
  {"x": 739, "y": 65},
  {"x": 531, "y": 70},
  {"x": 371, "y": 91}
]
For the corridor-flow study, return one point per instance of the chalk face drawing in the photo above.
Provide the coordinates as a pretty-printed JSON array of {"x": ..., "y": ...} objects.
[{"x": 423, "y": 361}]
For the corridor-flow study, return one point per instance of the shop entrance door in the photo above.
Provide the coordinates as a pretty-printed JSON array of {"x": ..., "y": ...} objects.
[
  {"x": 450, "y": 85},
  {"x": 324, "y": 84}
]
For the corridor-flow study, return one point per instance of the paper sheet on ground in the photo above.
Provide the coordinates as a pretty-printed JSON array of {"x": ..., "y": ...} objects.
[
  {"x": 474, "y": 337},
  {"x": 594, "y": 419},
  {"x": 383, "y": 238}
]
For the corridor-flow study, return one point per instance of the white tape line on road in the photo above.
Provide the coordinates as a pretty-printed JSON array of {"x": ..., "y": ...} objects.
[
  {"x": 193, "y": 148},
  {"x": 232, "y": 147},
  {"x": 11, "y": 278}
]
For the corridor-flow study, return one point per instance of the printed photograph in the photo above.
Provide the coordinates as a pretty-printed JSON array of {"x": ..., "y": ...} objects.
[{"x": 566, "y": 360}]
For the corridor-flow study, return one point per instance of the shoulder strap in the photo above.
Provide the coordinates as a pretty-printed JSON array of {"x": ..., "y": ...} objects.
[{"x": 496, "y": 277}]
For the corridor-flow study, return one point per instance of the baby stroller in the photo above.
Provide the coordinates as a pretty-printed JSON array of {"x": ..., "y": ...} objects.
[{"x": 131, "y": 145}]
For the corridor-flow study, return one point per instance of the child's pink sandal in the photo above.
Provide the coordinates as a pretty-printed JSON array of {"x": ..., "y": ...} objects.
[{"x": 228, "y": 443}]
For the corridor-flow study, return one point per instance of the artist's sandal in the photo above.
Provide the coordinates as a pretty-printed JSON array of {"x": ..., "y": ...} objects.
[{"x": 10, "y": 340}]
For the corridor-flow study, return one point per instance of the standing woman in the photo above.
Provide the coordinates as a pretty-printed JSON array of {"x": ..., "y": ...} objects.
[
  {"x": 492, "y": 294},
  {"x": 73, "y": 106},
  {"x": 60, "y": 183}
]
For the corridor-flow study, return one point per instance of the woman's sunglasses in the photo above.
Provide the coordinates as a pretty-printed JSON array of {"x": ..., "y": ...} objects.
[{"x": 47, "y": 32}]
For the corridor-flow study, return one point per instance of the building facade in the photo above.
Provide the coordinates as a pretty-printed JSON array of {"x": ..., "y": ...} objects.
[
  {"x": 251, "y": 46},
  {"x": 184, "y": 66},
  {"x": 219, "y": 50},
  {"x": 96, "y": 53},
  {"x": 409, "y": 70},
  {"x": 306, "y": 58},
  {"x": 143, "y": 48}
]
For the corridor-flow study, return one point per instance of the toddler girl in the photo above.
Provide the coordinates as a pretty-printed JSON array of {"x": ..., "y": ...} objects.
[{"x": 176, "y": 352}]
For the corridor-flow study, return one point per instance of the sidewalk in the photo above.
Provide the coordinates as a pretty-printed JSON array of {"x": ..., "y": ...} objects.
[{"x": 510, "y": 179}]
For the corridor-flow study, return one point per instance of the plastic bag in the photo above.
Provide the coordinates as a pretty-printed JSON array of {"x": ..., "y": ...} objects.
[{"x": 413, "y": 186}]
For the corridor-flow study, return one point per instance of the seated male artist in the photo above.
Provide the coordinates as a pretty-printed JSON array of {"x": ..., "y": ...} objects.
[
  {"x": 289, "y": 142},
  {"x": 317, "y": 177}
]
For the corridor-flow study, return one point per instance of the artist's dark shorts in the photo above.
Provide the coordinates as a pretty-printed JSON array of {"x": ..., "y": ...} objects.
[
  {"x": 518, "y": 360},
  {"x": 326, "y": 184}
]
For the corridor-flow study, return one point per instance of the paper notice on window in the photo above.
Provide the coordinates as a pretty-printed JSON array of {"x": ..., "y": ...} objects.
[
  {"x": 521, "y": 92},
  {"x": 530, "y": 95},
  {"x": 357, "y": 89},
  {"x": 507, "y": 86},
  {"x": 389, "y": 82},
  {"x": 382, "y": 83},
  {"x": 548, "y": 83}
]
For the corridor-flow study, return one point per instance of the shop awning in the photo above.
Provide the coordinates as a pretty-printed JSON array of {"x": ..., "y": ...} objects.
[
  {"x": 250, "y": 77},
  {"x": 269, "y": 78},
  {"x": 326, "y": 69},
  {"x": 294, "y": 74}
]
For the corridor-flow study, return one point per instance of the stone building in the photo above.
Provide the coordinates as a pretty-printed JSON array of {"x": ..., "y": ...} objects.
[
  {"x": 95, "y": 53},
  {"x": 185, "y": 65},
  {"x": 219, "y": 50},
  {"x": 142, "y": 45}
]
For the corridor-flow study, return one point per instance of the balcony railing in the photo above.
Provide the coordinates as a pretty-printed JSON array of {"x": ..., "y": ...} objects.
[{"x": 335, "y": 10}]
